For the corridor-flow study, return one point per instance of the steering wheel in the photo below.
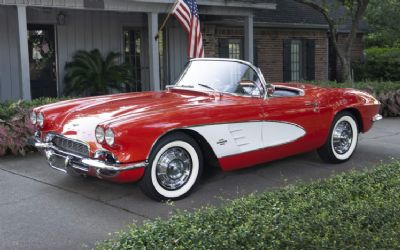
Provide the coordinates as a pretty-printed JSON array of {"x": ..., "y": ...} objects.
[{"x": 249, "y": 87}]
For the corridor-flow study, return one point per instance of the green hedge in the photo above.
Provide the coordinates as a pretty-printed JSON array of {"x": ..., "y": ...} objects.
[
  {"x": 375, "y": 87},
  {"x": 382, "y": 64},
  {"x": 357, "y": 210}
]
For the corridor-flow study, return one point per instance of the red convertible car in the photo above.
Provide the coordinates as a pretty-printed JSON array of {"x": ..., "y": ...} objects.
[{"x": 220, "y": 112}]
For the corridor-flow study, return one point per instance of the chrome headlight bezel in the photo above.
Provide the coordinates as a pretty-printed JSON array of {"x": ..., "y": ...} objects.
[
  {"x": 33, "y": 118},
  {"x": 40, "y": 120},
  {"x": 110, "y": 137},
  {"x": 49, "y": 137},
  {"x": 99, "y": 134}
]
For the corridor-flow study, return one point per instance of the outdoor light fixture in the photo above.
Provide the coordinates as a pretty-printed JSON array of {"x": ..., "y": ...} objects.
[{"x": 61, "y": 18}]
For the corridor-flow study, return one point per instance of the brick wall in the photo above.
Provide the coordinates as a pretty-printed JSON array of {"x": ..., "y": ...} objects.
[{"x": 269, "y": 46}]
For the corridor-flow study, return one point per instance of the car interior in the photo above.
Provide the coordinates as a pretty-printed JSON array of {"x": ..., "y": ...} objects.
[{"x": 283, "y": 91}]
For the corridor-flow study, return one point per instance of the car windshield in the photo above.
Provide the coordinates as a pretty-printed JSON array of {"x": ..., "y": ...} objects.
[{"x": 221, "y": 76}]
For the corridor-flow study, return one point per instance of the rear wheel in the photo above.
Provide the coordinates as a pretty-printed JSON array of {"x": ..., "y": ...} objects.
[
  {"x": 175, "y": 165},
  {"x": 342, "y": 140}
]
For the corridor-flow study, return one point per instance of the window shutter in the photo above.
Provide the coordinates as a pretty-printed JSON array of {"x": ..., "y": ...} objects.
[
  {"x": 223, "y": 50},
  {"x": 287, "y": 60},
  {"x": 310, "y": 60}
]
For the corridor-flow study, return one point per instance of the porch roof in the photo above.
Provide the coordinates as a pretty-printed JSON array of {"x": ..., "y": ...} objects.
[{"x": 160, "y": 6}]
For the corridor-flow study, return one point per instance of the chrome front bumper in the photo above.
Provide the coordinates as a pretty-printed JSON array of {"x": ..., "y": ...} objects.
[{"x": 65, "y": 161}]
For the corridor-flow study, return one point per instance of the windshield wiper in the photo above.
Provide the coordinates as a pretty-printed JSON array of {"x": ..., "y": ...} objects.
[
  {"x": 180, "y": 86},
  {"x": 207, "y": 86}
]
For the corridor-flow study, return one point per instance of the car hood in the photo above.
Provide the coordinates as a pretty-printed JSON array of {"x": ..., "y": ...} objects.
[{"x": 80, "y": 117}]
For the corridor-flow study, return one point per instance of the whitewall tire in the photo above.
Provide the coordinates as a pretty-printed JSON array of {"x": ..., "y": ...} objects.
[
  {"x": 342, "y": 140},
  {"x": 175, "y": 166}
]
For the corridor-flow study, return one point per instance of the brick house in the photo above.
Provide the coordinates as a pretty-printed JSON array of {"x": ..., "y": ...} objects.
[
  {"x": 291, "y": 42},
  {"x": 287, "y": 40}
]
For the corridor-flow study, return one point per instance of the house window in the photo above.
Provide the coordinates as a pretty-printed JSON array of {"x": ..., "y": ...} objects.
[
  {"x": 235, "y": 48},
  {"x": 298, "y": 60},
  {"x": 231, "y": 48},
  {"x": 295, "y": 57}
]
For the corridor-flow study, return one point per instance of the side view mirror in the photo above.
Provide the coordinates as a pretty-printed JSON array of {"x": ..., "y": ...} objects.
[{"x": 270, "y": 89}]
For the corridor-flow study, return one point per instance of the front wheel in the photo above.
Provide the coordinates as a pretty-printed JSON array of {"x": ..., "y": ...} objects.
[
  {"x": 175, "y": 165},
  {"x": 342, "y": 141}
]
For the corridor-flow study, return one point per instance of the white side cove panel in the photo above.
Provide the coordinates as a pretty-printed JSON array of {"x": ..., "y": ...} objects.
[
  {"x": 237, "y": 138},
  {"x": 278, "y": 133}
]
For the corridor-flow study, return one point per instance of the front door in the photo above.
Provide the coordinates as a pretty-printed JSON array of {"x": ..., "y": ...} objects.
[
  {"x": 42, "y": 60},
  {"x": 133, "y": 57}
]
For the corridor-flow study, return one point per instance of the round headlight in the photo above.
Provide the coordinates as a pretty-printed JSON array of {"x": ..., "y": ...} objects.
[
  {"x": 40, "y": 119},
  {"x": 99, "y": 134},
  {"x": 33, "y": 118},
  {"x": 110, "y": 137}
]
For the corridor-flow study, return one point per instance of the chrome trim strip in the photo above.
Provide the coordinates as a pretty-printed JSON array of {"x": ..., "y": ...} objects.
[{"x": 377, "y": 117}]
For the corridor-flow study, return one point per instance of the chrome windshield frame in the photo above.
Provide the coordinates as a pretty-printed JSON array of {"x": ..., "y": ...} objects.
[{"x": 255, "y": 69}]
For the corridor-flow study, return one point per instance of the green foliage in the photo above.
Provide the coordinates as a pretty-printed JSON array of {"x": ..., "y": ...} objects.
[
  {"x": 383, "y": 18},
  {"x": 373, "y": 87},
  {"x": 11, "y": 108},
  {"x": 91, "y": 74},
  {"x": 382, "y": 64},
  {"x": 336, "y": 13},
  {"x": 16, "y": 127},
  {"x": 355, "y": 210}
]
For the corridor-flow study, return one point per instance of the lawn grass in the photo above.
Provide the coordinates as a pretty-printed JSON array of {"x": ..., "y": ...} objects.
[{"x": 354, "y": 210}]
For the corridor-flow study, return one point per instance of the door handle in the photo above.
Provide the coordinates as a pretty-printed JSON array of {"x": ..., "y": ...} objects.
[{"x": 311, "y": 104}]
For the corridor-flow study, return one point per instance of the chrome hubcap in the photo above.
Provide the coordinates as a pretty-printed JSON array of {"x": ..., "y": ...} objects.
[
  {"x": 174, "y": 168},
  {"x": 342, "y": 137}
]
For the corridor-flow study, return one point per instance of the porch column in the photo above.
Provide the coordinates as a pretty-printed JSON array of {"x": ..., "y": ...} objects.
[
  {"x": 249, "y": 39},
  {"x": 23, "y": 52},
  {"x": 154, "y": 60}
]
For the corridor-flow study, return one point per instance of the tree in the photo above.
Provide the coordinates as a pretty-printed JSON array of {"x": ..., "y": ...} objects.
[
  {"x": 353, "y": 13},
  {"x": 383, "y": 17}
]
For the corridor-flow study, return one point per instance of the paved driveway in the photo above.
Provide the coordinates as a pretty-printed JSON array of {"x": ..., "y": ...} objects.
[{"x": 41, "y": 208}]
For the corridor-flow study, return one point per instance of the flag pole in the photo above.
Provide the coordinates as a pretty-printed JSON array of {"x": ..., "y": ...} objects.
[{"x": 165, "y": 21}]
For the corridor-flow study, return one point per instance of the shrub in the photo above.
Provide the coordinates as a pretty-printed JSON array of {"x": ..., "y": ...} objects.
[
  {"x": 382, "y": 64},
  {"x": 355, "y": 210},
  {"x": 91, "y": 74},
  {"x": 15, "y": 125}
]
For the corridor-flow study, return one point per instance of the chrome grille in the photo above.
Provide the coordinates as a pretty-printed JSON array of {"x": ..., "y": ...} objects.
[{"x": 71, "y": 146}]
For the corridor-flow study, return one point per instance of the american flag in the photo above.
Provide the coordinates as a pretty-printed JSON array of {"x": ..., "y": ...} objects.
[{"x": 187, "y": 13}]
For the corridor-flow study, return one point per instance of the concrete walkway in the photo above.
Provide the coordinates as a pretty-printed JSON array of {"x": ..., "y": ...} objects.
[{"x": 41, "y": 208}]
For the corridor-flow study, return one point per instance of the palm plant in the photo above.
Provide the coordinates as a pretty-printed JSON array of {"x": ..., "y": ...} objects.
[{"x": 91, "y": 74}]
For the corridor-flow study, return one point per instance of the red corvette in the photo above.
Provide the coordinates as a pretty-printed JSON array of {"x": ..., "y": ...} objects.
[{"x": 220, "y": 112}]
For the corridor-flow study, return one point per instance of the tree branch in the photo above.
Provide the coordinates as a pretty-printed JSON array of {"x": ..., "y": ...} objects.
[{"x": 331, "y": 24}]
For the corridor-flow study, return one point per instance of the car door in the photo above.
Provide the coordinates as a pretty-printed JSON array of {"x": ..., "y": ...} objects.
[{"x": 290, "y": 123}]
